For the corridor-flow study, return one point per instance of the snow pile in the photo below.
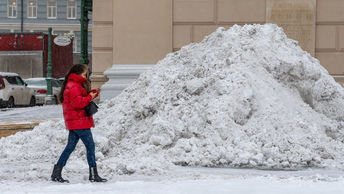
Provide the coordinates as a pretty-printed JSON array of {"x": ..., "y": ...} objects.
[{"x": 246, "y": 97}]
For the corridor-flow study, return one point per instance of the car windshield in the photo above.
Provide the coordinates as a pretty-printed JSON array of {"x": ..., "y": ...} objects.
[
  {"x": 37, "y": 82},
  {"x": 56, "y": 83}
]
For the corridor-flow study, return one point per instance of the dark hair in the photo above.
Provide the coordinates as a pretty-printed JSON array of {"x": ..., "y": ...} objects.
[{"x": 77, "y": 69}]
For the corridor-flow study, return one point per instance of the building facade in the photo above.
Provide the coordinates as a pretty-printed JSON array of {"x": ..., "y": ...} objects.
[
  {"x": 63, "y": 16},
  {"x": 130, "y": 33}
]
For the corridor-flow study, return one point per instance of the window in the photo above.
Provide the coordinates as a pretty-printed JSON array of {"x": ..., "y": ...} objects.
[
  {"x": 11, "y": 79},
  {"x": 54, "y": 83},
  {"x": 71, "y": 9},
  {"x": 12, "y": 8},
  {"x": 31, "y": 8},
  {"x": 52, "y": 9},
  {"x": 19, "y": 81}
]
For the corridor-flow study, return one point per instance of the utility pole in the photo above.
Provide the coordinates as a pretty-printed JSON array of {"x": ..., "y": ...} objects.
[{"x": 86, "y": 6}]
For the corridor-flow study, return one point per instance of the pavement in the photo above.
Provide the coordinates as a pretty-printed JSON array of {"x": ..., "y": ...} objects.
[
  {"x": 8, "y": 128},
  {"x": 21, "y": 124}
]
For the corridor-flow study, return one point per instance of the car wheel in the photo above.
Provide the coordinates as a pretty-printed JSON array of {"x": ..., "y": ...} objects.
[
  {"x": 32, "y": 101},
  {"x": 56, "y": 100},
  {"x": 11, "y": 102}
]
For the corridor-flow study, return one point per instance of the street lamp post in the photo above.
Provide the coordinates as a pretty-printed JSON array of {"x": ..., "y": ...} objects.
[
  {"x": 49, "y": 99},
  {"x": 86, "y": 6}
]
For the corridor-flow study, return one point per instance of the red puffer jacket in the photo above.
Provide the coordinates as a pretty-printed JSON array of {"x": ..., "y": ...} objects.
[{"x": 75, "y": 99}]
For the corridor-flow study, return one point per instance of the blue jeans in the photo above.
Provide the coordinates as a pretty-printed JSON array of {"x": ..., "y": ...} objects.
[{"x": 86, "y": 137}]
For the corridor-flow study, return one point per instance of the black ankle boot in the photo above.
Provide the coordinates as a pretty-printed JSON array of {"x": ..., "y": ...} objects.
[
  {"x": 94, "y": 177},
  {"x": 56, "y": 176}
]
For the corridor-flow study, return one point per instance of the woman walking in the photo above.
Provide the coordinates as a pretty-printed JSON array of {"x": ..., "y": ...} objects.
[{"x": 75, "y": 95}]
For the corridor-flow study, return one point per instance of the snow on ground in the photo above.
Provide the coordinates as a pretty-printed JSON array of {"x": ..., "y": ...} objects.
[
  {"x": 37, "y": 112},
  {"x": 186, "y": 180},
  {"x": 244, "y": 111}
]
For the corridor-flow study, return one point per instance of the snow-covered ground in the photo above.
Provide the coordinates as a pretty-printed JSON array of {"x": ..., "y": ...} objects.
[
  {"x": 30, "y": 113},
  {"x": 244, "y": 111},
  {"x": 186, "y": 180}
]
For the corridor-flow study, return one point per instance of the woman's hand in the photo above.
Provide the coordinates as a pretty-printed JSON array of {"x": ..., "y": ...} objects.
[{"x": 94, "y": 93}]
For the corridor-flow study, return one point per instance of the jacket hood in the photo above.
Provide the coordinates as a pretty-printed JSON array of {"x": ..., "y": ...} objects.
[{"x": 76, "y": 78}]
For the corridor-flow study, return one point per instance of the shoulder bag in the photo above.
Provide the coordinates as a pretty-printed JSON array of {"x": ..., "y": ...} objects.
[{"x": 91, "y": 109}]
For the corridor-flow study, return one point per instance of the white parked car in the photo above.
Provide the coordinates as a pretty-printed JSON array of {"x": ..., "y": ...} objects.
[
  {"x": 14, "y": 91},
  {"x": 39, "y": 86}
]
